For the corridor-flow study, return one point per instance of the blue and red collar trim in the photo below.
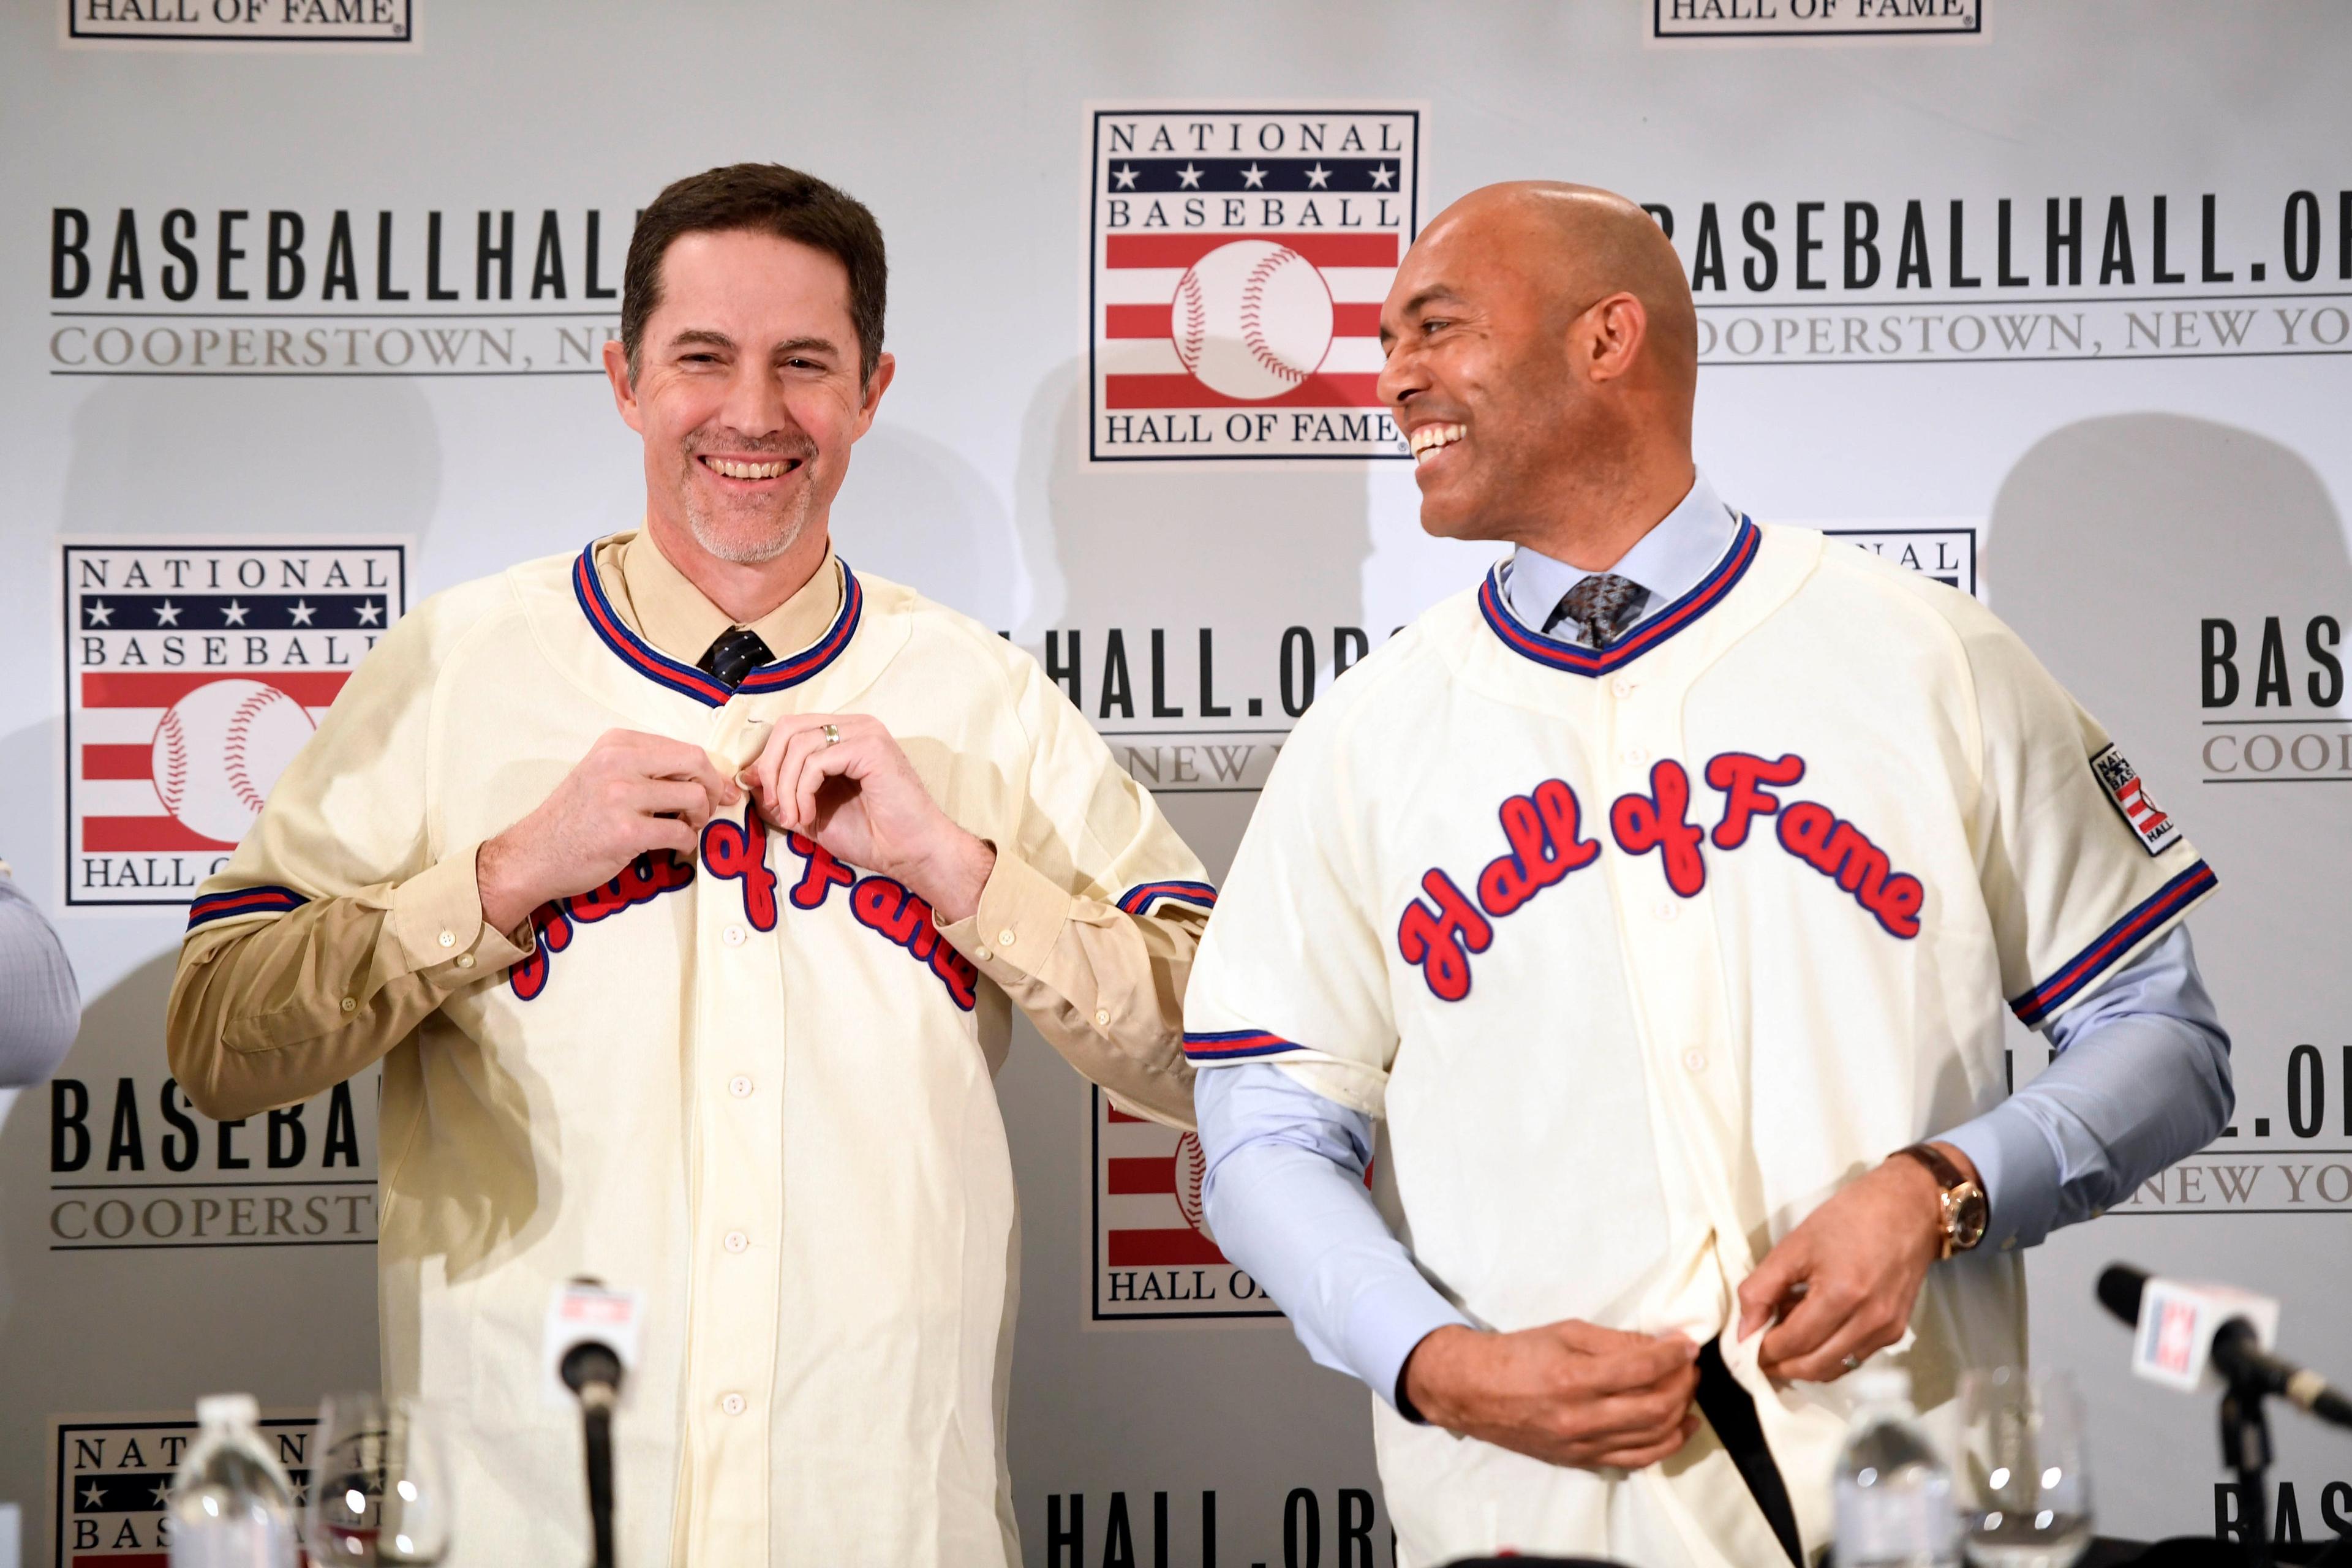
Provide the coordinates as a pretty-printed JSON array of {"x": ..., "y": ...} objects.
[
  {"x": 1674, "y": 618},
  {"x": 640, "y": 655},
  {"x": 1140, "y": 898}
]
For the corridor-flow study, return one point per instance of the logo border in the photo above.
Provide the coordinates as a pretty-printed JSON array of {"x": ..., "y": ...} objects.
[
  {"x": 1417, "y": 111},
  {"x": 401, "y": 547}
]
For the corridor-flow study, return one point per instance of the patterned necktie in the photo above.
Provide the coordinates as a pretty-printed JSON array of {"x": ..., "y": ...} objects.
[
  {"x": 738, "y": 652},
  {"x": 1601, "y": 605}
]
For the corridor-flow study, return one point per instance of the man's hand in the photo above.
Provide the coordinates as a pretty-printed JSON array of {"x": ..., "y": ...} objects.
[
  {"x": 1566, "y": 1394},
  {"x": 860, "y": 799},
  {"x": 632, "y": 793},
  {"x": 1844, "y": 1281}
]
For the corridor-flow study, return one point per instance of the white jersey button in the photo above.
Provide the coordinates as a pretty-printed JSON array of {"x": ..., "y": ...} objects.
[
  {"x": 1633, "y": 756},
  {"x": 740, "y": 1087},
  {"x": 732, "y": 936},
  {"x": 1622, "y": 685},
  {"x": 1695, "y": 1060},
  {"x": 738, "y": 1242},
  {"x": 1665, "y": 908},
  {"x": 732, "y": 1403}
]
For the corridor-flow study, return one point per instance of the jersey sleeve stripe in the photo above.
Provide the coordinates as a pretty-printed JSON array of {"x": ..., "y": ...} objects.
[
  {"x": 1140, "y": 899},
  {"x": 1233, "y": 1045},
  {"x": 257, "y": 901},
  {"x": 2118, "y": 939}
]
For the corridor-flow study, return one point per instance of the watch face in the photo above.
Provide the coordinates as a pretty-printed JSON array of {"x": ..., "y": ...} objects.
[{"x": 1970, "y": 1216}]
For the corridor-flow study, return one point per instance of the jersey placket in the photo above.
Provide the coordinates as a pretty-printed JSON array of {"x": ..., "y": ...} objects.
[
  {"x": 736, "y": 1068},
  {"x": 1673, "y": 965}
]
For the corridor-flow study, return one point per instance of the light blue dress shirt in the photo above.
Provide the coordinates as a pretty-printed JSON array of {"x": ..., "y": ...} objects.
[{"x": 2141, "y": 1079}]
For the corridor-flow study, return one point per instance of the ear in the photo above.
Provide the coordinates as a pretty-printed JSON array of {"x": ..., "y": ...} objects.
[
  {"x": 625, "y": 394},
  {"x": 1607, "y": 339},
  {"x": 885, "y": 367}
]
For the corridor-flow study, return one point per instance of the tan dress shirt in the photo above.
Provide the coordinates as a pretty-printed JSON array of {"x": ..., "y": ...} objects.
[{"x": 270, "y": 1013}]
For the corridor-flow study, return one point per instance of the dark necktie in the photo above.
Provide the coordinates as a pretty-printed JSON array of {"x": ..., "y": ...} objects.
[
  {"x": 1601, "y": 605},
  {"x": 738, "y": 652}
]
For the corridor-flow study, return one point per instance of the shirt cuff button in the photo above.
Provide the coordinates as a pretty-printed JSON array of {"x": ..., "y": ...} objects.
[
  {"x": 448, "y": 939},
  {"x": 350, "y": 1003},
  {"x": 1004, "y": 936},
  {"x": 464, "y": 961},
  {"x": 1102, "y": 1017}
]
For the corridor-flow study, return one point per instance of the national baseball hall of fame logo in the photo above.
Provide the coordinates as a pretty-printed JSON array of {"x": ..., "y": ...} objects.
[
  {"x": 1240, "y": 257},
  {"x": 193, "y": 673},
  {"x": 110, "y": 1474},
  {"x": 1154, "y": 1259}
]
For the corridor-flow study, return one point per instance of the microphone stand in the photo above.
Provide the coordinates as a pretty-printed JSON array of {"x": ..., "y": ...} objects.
[
  {"x": 594, "y": 1372},
  {"x": 2246, "y": 1449}
]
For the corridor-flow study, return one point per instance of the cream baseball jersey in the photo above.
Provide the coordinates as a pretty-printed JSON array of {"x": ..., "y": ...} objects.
[
  {"x": 755, "y": 1083},
  {"x": 1643, "y": 954}
]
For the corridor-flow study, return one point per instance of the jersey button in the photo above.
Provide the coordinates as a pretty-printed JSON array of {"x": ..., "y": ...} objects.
[
  {"x": 1664, "y": 909},
  {"x": 732, "y": 936},
  {"x": 1633, "y": 756},
  {"x": 734, "y": 1404},
  {"x": 1695, "y": 1061},
  {"x": 1622, "y": 685},
  {"x": 738, "y": 1242},
  {"x": 739, "y": 1085}
]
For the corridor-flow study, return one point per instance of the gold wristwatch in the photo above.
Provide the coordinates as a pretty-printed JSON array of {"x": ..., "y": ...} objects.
[{"x": 1966, "y": 1212}]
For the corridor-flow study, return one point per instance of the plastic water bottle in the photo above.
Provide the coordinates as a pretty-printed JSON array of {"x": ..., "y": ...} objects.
[
  {"x": 231, "y": 1506},
  {"x": 1895, "y": 1506}
]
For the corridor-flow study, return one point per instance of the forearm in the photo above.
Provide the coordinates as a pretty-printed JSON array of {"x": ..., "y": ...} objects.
[
  {"x": 40, "y": 1006},
  {"x": 1105, "y": 988},
  {"x": 267, "y": 1014},
  {"x": 1284, "y": 1194},
  {"x": 2141, "y": 1080}
]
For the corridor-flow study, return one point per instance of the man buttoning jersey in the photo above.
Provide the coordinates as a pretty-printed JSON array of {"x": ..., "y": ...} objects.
[
  {"x": 1660, "y": 895},
  {"x": 683, "y": 885}
]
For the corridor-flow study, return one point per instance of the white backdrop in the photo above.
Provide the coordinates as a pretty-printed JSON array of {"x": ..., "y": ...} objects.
[{"x": 2168, "y": 532}]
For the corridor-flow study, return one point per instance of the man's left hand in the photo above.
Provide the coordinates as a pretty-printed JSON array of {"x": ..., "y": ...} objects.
[
  {"x": 1843, "y": 1284},
  {"x": 860, "y": 798}
]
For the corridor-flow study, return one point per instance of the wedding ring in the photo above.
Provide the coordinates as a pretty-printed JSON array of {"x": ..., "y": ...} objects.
[
  {"x": 832, "y": 736},
  {"x": 1853, "y": 1364}
]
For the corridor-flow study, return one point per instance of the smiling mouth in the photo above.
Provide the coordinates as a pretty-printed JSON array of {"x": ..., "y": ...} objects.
[
  {"x": 1430, "y": 439},
  {"x": 734, "y": 469}
]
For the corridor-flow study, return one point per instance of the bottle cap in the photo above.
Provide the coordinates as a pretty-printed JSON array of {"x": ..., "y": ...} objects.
[{"x": 227, "y": 1410}]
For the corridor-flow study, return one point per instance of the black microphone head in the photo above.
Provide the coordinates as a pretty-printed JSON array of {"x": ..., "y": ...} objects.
[
  {"x": 591, "y": 1362},
  {"x": 2119, "y": 1290}
]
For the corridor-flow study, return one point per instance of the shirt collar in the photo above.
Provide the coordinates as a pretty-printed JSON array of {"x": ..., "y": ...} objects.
[
  {"x": 1682, "y": 547},
  {"x": 671, "y": 613}
]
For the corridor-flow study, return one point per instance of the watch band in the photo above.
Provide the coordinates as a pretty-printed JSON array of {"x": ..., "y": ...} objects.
[{"x": 1965, "y": 1214}]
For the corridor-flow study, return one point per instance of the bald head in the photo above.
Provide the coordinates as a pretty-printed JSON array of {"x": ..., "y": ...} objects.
[
  {"x": 1577, "y": 245},
  {"x": 1542, "y": 361}
]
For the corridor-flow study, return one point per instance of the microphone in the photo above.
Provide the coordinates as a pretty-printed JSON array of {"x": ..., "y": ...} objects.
[
  {"x": 2189, "y": 1335},
  {"x": 592, "y": 1338}
]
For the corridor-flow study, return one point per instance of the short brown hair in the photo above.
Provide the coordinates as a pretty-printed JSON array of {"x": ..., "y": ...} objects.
[{"x": 763, "y": 198}]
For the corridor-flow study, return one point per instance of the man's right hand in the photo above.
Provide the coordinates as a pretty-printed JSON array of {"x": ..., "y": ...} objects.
[
  {"x": 1568, "y": 1393},
  {"x": 632, "y": 793}
]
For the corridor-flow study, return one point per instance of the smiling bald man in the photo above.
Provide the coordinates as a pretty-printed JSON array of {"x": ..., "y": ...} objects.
[{"x": 1660, "y": 897}]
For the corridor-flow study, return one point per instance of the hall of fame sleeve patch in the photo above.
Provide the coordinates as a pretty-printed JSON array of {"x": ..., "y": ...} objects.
[{"x": 2127, "y": 792}]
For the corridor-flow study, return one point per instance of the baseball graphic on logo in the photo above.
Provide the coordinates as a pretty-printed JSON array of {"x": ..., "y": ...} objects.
[
  {"x": 1189, "y": 1168},
  {"x": 218, "y": 751},
  {"x": 1252, "y": 320}
]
